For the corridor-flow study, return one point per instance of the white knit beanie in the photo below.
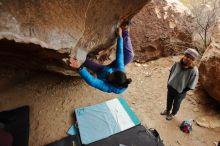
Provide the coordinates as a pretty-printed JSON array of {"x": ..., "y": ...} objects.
[{"x": 192, "y": 52}]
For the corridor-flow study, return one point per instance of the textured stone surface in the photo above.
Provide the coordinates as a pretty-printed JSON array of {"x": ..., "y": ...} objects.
[
  {"x": 161, "y": 28},
  {"x": 63, "y": 26},
  {"x": 52, "y": 24},
  {"x": 212, "y": 121},
  {"x": 210, "y": 66}
]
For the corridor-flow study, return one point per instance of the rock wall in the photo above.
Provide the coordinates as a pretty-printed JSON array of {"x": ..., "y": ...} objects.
[
  {"x": 60, "y": 27},
  {"x": 210, "y": 65},
  {"x": 161, "y": 28}
]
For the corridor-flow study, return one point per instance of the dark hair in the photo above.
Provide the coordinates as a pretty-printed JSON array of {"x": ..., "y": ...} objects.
[{"x": 120, "y": 79}]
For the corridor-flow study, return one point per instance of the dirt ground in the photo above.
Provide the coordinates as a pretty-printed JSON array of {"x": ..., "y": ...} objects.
[{"x": 53, "y": 97}]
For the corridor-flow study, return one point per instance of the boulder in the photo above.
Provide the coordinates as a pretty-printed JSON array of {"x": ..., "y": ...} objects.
[
  {"x": 43, "y": 34},
  {"x": 209, "y": 68},
  {"x": 161, "y": 28}
]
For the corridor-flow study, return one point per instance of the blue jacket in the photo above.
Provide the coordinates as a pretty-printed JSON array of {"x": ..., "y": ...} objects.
[{"x": 101, "y": 82}]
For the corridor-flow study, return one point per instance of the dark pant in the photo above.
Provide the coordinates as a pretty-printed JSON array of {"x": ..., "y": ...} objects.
[{"x": 174, "y": 100}]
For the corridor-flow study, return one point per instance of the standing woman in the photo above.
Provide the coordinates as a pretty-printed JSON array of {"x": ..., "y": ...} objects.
[{"x": 183, "y": 77}]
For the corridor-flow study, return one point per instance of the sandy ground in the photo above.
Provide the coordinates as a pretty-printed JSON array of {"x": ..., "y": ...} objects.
[{"x": 53, "y": 97}]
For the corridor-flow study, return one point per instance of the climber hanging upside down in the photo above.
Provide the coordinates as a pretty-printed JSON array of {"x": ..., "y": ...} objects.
[{"x": 112, "y": 77}]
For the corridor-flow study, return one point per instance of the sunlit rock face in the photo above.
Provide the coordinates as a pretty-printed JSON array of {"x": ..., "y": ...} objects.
[
  {"x": 52, "y": 31},
  {"x": 161, "y": 28},
  {"x": 210, "y": 65}
]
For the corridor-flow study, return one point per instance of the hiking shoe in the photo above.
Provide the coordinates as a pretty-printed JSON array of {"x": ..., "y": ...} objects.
[
  {"x": 169, "y": 117},
  {"x": 164, "y": 113}
]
